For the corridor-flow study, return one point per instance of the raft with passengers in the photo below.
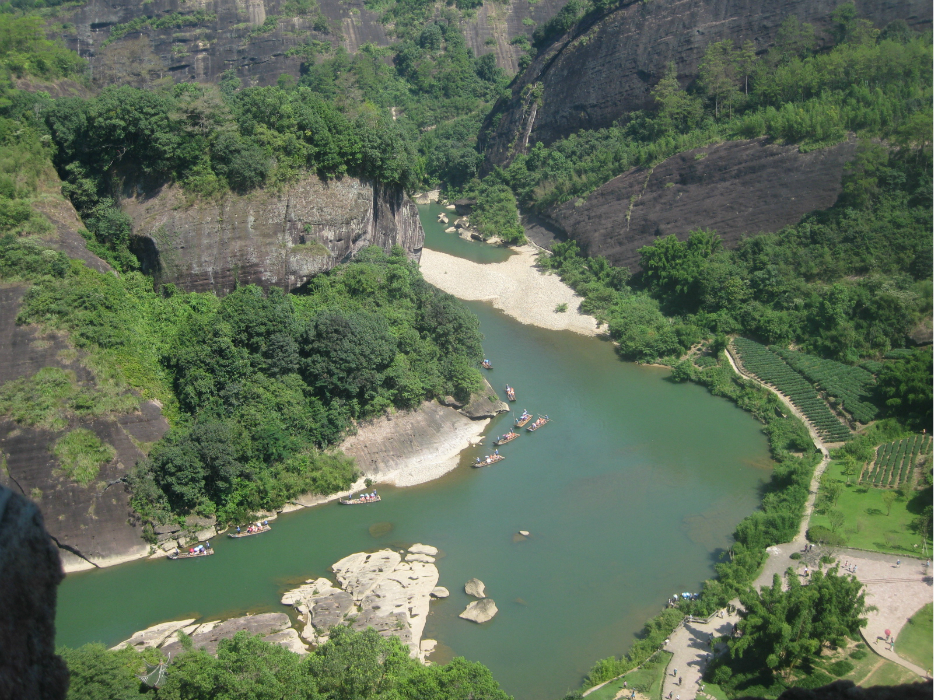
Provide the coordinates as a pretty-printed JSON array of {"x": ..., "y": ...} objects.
[
  {"x": 254, "y": 529},
  {"x": 510, "y": 393},
  {"x": 538, "y": 423},
  {"x": 523, "y": 419},
  {"x": 488, "y": 460},
  {"x": 361, "y": 500},
  {"x": 202, "y": 550},
  {"x": 508, "y": 437},
  {"x": 486, "y": 364}
]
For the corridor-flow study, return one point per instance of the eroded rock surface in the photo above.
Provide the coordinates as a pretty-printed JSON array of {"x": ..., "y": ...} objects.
[
  {"x": 379, "y": 590},
  {"x": 734, "y": 188},
  {"x": 270, "y": 238},
  {"x": 30, "y": 571},
  {"x": 157, "y": 635},
  {"x": 484, "y": 404},
  {"x": 269, "y": 625}
]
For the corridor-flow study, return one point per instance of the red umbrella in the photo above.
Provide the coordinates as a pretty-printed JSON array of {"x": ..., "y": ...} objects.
[{"x": 888, "y": 633}]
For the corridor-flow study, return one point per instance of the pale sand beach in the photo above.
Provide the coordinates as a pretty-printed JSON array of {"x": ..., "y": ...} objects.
[{"x": 516, "y": 287}]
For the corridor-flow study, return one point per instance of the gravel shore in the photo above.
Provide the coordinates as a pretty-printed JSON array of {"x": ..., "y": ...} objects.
[{"x": 516, "y": 287}]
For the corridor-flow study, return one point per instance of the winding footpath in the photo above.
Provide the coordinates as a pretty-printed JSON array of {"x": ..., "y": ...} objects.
[{"x": 801, "y": 537}]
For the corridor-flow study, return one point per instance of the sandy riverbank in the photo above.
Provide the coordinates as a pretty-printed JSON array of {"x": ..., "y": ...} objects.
[{"x": 516, "y": 287}]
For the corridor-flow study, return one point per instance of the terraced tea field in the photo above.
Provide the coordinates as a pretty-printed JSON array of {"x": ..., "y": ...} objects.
[
  {"x": 773, "y": 370},
  {"x": 895, "y": 462},
  {"x": 851, "y": 387}
]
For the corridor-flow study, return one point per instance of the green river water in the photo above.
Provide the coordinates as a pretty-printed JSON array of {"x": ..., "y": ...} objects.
[{"x": 630, "y": 493}]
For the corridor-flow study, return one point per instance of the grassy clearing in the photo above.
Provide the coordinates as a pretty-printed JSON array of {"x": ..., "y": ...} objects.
[
  {"x": 863, "y": 667},
  {"x": 866, "y": 524},
  {"x": 81, "y": 455},
  {"x": 647, "y": 680},
  {"x": 914, "y": 641}
]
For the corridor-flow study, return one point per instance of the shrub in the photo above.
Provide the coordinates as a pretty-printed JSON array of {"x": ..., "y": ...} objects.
[
  {"x": 814, "y": 680},
  {"x": 795, "y": 555},
  {"x": 859, "y": 654},
  {"x": 81, "y": 455},
  {"x": 822, "y": 534},
  {"x": 840, "y": 668}
]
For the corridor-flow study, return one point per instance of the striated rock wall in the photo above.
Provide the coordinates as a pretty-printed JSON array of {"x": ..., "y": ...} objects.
[
  {"x": 735, "y": 188},
  {"x": 228, "y": 37},
  {"x": 30, "y": 572},
  {"x": 270, "y": 238},
  {"x": 93, "y": 525},
  {"x": 608, "y": 65}
]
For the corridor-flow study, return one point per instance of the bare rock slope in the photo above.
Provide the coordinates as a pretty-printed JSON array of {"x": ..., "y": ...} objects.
[
  {"x": 280, "y": 238},
  {"x": 734, "y": 188}
]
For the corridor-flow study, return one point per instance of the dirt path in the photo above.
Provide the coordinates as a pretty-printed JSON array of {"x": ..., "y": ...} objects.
[
  {"x": 691, "y": 651},
  {"x": 737, "y": 366}
]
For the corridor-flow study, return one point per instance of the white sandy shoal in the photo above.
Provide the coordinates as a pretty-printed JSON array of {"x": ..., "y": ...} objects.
[{"x": 516, "y": 287}]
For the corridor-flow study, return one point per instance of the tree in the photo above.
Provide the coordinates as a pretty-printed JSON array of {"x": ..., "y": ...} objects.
[
  {"x": 888, "y": 498},
  {"x": 717, "y": 72},
  {"x": 905, "y": 386},
  {"x": 746, "y": 61},
  {"x": 836, "y": 519},
  {"x": 99, "y": 674},
  {"x": 676, "y": 108}
]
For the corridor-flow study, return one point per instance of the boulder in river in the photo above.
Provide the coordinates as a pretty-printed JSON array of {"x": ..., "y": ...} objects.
[
  {"x": 440, "y": 592},
  {"x": 424, "y": 549},
  {"x": 480, "y": 611},
  {"x": 524, "y": 533},
  {"x": 475, "y": 588}
]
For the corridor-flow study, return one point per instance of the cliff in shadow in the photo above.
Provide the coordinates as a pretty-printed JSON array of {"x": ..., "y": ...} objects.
[
  {"x": 270, "y": 238},
  {"x": 183, "y": 42},
  {"x": 734, "y": 188},
  {"x": 607, "y": 65}
]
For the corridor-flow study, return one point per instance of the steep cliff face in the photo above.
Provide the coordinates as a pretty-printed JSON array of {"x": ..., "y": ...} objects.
[
  {"x": 92, "y": 524},
  {"x": 735, "y": 188},
  {"x": 224, "y": 34},
  {"x": 607, "y": 66},
  {"x": 270, "y": 238}
]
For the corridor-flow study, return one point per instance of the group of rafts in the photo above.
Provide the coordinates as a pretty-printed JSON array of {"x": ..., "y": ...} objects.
[
  {"x": 521, "y": 422},
  {"x": 206, "y": 550}
]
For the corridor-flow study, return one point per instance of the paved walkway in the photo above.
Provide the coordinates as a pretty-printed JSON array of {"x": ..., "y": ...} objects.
[
  {"x": 897, "y": 591},
  {"x": 690, "y": 650}
]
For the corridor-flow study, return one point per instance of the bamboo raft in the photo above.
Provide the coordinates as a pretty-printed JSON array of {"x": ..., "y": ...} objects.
[
  {"x": 538, "y": 424},
  {"x": 520, "y": 422},
  {"x": 490, "y": 459},
  {"x": 510, "y": 393},
  {"x": 509, "y": 437},
  {"x": 260, "y": 531},
  {"x": 359, "y": 501},
  {"x": 190, "y": 555},
  {"x": 486, "y": 364}
]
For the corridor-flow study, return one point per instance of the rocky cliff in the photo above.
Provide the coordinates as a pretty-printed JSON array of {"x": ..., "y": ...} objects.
[
  {"x": 92, "y": 524},
  {"x": 270, "y": 238},
  {"x": 253, "y": 38},
  {"x": 735, "y": 188},
  {"x": 606, "y": 66}
]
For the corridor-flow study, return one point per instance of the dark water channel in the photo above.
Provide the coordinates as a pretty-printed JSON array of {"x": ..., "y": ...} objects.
[{"x": 628, "y": 493}]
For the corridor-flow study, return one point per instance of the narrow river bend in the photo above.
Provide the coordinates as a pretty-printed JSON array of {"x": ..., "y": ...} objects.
[{"x": 630, "y": 494}]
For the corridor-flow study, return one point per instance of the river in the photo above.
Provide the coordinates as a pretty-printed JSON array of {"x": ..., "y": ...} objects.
[{"x": 629, "y": 494}]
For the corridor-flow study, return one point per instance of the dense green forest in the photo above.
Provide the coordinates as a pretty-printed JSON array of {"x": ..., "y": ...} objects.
[{"x": 349, "y": 666}]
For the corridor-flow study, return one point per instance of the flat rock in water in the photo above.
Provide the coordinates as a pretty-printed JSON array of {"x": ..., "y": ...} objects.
[
  {"x": 440, "y": 592},
  {"x": 424, "y": 549},
  {"x": 475, "y": 588},
  {"x": 480, "y": 611},
  {"x": 424, "y": 558},
  {"x": 309, "y": 589},
  {"x": 264, "y": 624},
  {"x": 155, "y": 636},
  {"x": 524, "y": 533}
]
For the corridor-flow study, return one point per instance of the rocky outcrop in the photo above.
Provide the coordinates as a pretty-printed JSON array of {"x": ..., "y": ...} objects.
[
  {"x": 93, "y": 524},
  {"x": 255, "y": 38},
  {"x": 379, "y": 590},
  {"x": 735, "y": 188},
  {"x": 30, "y": 571},
  {"x": 413, "y": 447},
  {"x": 476, "y": 588},
  {"x": 480, "y": 611},
  {"x": 484, "y": 404},
  {"x": 273, "y": 627},
  {"x": 606, "y": 66},
  {"x": 280, "y": 238}
]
